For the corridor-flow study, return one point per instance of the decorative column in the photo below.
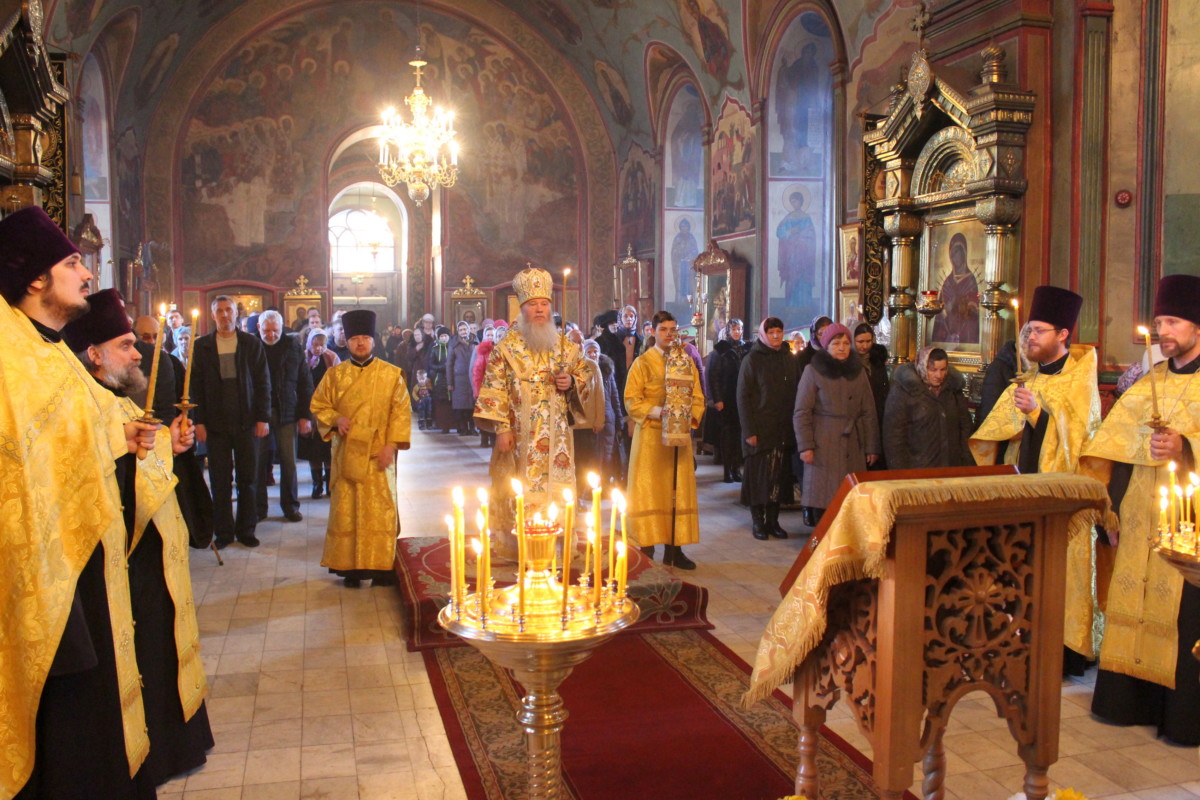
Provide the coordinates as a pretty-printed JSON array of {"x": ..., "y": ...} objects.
[
  {"x": 999, "y": 214},
  {"x": 904, "y": 229}
]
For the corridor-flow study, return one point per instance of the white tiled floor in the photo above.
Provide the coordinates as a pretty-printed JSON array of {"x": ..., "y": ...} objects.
[{"x": 315, "y": 696}]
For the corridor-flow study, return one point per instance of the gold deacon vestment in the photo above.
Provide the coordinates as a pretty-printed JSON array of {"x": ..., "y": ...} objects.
[
  {"x": 658, "y": 515},
  {"x": 518, "y": 396},
  {"x": 58, "y": 502},
  {"x": 363, "y": 516},
  {"x": 1072, "y": 398},
  {"x": 156, "y": 502},
  {"x": 1141, "y": 636}
]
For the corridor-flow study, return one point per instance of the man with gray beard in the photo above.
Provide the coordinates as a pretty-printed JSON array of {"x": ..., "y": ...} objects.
[{"x": 534, "y": 378}]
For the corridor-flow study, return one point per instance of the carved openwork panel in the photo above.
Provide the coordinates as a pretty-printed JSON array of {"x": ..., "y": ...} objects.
[
  {"x": 847, "y": 655},
  {"x": 978, "y": 618}
]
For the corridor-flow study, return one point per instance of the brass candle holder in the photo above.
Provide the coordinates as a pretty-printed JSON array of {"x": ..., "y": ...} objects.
[
  {"x": 1178, "y": 538},
  {"x": 539, "y": 630}
]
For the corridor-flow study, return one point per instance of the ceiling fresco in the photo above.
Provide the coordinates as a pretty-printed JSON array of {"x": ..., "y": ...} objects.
[{"x": 605, "y": 41}]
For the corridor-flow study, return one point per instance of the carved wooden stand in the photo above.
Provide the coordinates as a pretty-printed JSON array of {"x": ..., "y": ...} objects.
[{"x": 972, "y": 601}]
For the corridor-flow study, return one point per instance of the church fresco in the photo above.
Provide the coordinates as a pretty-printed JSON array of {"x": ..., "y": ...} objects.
[
  {"x": 799, "y": 133},
  {"x": 734, "y": 176},
  {"x": 255, "y": 146},
  {"x": 638, "y": 195},
  {"x": 683, "y": 197},
  {"x": 614, "y": 93},
  {"x": 706, "y": 26}
]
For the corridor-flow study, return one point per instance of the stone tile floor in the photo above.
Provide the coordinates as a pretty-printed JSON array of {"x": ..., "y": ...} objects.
[{"x": 313, "y": 694}]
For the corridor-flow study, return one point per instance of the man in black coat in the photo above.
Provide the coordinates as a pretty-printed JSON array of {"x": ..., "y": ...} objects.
[
  {"x": 231, "y": 388},
  {"x": 291, "y": 390}
]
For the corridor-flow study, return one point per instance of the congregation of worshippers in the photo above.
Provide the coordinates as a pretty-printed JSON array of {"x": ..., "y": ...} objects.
[{"x": 787, "y": 418}]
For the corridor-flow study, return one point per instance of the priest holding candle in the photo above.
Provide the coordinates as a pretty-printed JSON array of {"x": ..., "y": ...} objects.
[
  {"x": 1043, "y": 424},
  {"x": 363, "y": 406},
  {"x": 1147, "y": 674}
]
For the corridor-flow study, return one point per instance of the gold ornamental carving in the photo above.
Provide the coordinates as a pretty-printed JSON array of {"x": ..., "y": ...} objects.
[
  {"x": 468, "y": 289},
  {"x": 302, "y": 291}
]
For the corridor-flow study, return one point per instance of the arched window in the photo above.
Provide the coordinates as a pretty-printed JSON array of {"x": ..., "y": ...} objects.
[
  {"x": 683, "y": 198},
  {"x": 800, "y": 174},
  {"x": 367, "y": 230},
  {"x": 94, "y": 133}
]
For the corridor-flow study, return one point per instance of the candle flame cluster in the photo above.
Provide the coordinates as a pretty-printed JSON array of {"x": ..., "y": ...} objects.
[
  {"x": 1177, "y": 514},
  {"x": 543, "y": 598}
]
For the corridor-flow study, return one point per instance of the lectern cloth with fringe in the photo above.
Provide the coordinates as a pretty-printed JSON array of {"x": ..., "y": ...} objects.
[{"x": 855, "y": 547}]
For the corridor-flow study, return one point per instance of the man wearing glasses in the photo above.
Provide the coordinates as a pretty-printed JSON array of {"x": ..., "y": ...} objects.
[{"x": 1045, "y": 420}]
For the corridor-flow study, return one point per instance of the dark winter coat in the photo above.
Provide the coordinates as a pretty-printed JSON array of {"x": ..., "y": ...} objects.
[
  {"x": 253, "y": 379},
  {"x": 835, "y": 418},
  {"x": 877, "y": 374},
  {"x": 291, "y": 379},
  {"x": 921, "y": 429},
  {"x": 996, "y": 379},
  {"x": 721, "y": 377},
  {"x": 766, "y": 391},
  {"x": 462, "y": 397}
]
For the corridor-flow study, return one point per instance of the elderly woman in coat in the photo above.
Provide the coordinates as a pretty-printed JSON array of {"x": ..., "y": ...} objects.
[
  {"x": 458, "y": 375},
  {"x": 926, "y": 422},
  {"x": 834, "y": 418}
]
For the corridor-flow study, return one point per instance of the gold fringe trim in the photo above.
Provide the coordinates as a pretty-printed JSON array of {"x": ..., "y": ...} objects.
[{"x": 862, "y": 529}]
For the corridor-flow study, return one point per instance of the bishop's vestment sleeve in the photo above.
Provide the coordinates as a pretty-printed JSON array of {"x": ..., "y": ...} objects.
[{"x": 493, "y": 403}]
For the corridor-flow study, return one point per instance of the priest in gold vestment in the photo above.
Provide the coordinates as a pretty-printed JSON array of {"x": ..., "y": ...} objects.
[
  {"x": 362, "y": 405},
  {"x": 1147, "y": 673},
  {"x": 166, "y": 635},
  {"x": 71, "y": 718},
  {"x": 1045, "y": 424},
  {"x": 535, "y": 381},
  {"x": 662, "y": 479}
]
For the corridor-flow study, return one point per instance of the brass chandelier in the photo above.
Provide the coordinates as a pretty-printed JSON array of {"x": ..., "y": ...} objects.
[{"x": 422, "y": 153}]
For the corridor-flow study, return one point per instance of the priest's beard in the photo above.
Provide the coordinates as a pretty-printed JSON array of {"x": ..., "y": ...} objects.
[
  {"x": 127, "y": 380},
  {"x": 542, "y": 337}
]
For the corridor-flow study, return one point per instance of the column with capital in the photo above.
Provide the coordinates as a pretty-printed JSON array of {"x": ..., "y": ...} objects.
[{"x": 905, "y": 231}]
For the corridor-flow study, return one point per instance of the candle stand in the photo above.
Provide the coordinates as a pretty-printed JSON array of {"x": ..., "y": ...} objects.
[
  {"x": 1186, "y": 560},
  {"x": 540, "y": 639}
]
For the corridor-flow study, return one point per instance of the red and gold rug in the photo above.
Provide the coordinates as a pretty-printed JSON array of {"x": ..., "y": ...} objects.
[
  {"x": 423, "y": 570},
  {"x": 652, "y": 715}
]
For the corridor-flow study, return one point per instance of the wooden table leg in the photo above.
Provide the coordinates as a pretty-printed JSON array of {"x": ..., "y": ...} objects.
[
  {"x": 807, "y": 776},
  {"x": 1037, "y": 784},
  {"x": 934, "y": 765}
]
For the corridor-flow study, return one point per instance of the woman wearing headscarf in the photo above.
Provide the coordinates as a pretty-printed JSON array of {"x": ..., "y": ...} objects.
[
  {"x": 766, "y": 386},
  {"x": 926, "y": 422},
  {"x": 313, "y": 448},
  {"x": 834, "y": 419},
  {"x": 723, "y": 428},
  {"x": 874, "y": 358}
]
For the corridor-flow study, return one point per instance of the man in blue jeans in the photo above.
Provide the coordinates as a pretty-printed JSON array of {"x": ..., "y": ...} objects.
[{"x": 291, "y": 390}]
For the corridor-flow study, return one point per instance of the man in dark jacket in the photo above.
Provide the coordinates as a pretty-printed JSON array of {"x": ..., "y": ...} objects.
[
  {"x": 231, "y": 388},
  {"x": 611, "y": 345},
  {"x": 926, "y": 422},
  {"x": 722, "y": 378},
  {"x": 291, "y": 390}
]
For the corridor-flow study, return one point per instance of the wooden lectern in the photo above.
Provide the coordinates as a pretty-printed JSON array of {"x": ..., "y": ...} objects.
[{"x": 924, "y": 586}]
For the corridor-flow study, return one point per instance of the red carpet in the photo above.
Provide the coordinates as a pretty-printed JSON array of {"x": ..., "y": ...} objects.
[
  {"x": 423, "y": 569},
  {"x": 654, "y": 715}
]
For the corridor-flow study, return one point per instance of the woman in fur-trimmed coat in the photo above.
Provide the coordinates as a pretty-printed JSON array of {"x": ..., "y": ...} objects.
[{"x": 834, "y": 418}]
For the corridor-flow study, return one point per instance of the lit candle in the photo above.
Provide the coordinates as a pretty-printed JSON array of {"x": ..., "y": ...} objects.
[
  {"x": 1190, "y": 512},
  {"x": 477, "y": 546},
  {"x": 1163, "y": 522},
  {"x": 619, "y": 501},
  {"x": 587, "y": 549},
  {"x": 158, "y": 342},
  {"x": 594, "y": 481},
  {"x": 1016, "y": 307},
  {"x": 453, "y": 561},
  {"x": 568, "y": 548},
  {"x": 519, "y": 493},
  {"x": 622, "y": 568},
  {"x": 595, "y": 567},
  {"x": 484, "y": 578},
  {"x": 187, "y": 373},
  {"x": 1171, "y": 471},
  {"x": 1144, "y": 331},
  {"x": 552, "y": 518},
  {"x": 1179, "y": 517},
  {"x": 461, "y": 540},
  {"x": 612, "y": 538}
]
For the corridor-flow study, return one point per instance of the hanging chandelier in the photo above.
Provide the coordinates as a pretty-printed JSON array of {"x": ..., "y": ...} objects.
[{"x": 422, "y": 153}]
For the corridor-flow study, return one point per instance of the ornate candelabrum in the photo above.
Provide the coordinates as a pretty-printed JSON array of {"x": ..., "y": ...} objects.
[
  {"x": 542, "y": 626},
  {"x": 1178, "y": 539}
]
